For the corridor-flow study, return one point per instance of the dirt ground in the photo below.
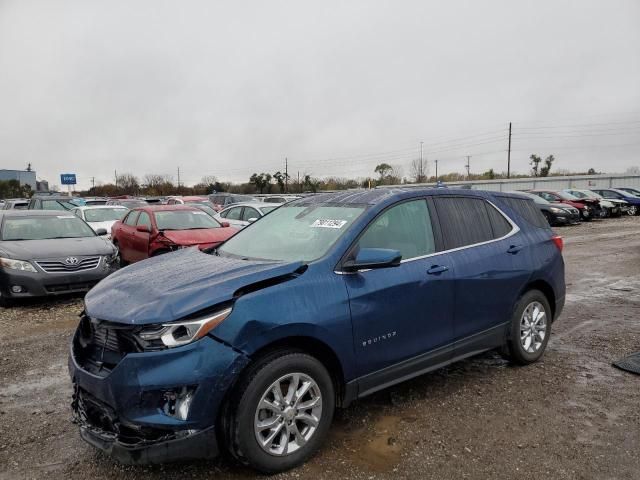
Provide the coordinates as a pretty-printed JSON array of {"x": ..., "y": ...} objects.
[{"x": 570, "y": 416}]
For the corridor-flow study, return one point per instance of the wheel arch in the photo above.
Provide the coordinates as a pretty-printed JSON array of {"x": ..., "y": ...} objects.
[
  {"x": 546, "y": 289},
  {"x": 314, "y": 347}
]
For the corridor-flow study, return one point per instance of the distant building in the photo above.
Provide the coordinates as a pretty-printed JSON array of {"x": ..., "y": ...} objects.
[{"x": 25, "y": 177}]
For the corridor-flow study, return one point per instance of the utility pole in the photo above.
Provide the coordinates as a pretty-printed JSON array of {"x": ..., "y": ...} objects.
[
  {"x": 115, "y": 175},
  {"x": 178, "y": 177},
  {"x": 468, "y": 166},
  {"x": 436, "y": 162},
  {"x": 299, "y": 186},
  {"x": 286, "y": 175},
  {"x": 509, "y": 154},
  {"x": 93, "y": 183},
  {"x": 421, "y": 170}
]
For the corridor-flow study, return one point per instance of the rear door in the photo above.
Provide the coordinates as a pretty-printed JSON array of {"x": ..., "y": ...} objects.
[
  {"x": 491, "y": 261},
  {"x": 400, "y": 313},
  {"x": 234, "y": 217}
]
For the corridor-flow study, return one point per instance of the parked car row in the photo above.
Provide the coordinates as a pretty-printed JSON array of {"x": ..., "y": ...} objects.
[{"x": 572, "y": 205}]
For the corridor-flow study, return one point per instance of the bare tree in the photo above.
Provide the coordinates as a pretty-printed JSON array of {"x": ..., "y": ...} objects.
[{"x": 419, "y": 170}]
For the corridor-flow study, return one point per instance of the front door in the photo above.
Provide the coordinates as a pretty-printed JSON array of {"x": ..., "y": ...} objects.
[
  {"x": 140, "y": 240},
  {"x": 400, "y": 313}
]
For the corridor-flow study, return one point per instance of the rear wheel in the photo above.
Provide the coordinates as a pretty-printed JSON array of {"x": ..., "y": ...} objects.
[
  {"x": 280, "y": 412},
  {"x": 530, "y": 328}
]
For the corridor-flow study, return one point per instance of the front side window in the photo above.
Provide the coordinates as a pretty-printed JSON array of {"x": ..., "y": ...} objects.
[
  {"x": 42, "y": 228},
  {"x": 234, "y": 213},
  {"x": 293, "y": 233},
  {"x": 405, "y": 227},
  {"x": 131, "y": 218}
]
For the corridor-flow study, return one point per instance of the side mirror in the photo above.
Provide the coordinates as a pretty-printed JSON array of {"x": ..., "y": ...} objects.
[
  {"x": 143, "y": 228},
  {"x": 225, "y": 224},
  {"x": 252, "y": 219},
  {"x": 101, "y": 231},
  {"x": 369, "y": 258}
]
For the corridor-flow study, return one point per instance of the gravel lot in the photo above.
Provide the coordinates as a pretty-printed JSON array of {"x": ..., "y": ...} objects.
[{"x": 571, "y": 415}]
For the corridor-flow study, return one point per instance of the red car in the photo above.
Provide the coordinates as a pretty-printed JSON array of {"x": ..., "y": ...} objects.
[
  {"x": 157, "y": 229},
  {"x": 587, "y": 207}
]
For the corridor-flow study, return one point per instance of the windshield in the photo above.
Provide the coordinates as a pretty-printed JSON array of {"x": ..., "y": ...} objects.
[
  {"x": 266, "y": 210},
  {"x": 184, "y": 220},
  {"x": 104, "y": 214},
  {"x": 133, "y": 203},
  {"x": 567, "y": 196},
  {"x": 41, "y": 228},
  {"x": 292, "y": 233}
]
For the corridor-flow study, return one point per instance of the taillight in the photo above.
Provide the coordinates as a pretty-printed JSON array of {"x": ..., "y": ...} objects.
[{"x": 557, "y": 240}]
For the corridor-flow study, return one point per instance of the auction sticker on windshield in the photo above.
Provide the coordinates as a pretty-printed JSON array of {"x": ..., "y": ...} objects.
[{"x": 328, "y": 223}]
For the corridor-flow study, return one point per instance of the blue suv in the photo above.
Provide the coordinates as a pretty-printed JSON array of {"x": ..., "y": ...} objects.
[{"x": 249, "y": 348}]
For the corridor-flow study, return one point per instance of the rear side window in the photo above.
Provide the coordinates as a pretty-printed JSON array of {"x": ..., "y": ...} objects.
[
  {"x": 528, "y": 210},
  {"x": 499, "y": 224},
  {"x": 467, "y": 221},
  {"x": 405, "y": 227},
  {"x": 144, "y": 219}
]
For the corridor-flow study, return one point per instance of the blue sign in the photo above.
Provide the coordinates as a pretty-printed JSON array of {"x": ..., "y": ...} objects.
[{"x": 68, "y": 178}]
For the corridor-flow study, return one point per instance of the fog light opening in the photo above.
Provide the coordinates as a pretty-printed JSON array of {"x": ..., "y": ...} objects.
[
  {"x": 18, "y": 289},
  {"x": 178, "y": 402}
]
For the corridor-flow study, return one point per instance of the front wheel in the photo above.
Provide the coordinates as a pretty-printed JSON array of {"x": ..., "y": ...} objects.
[
  {"x": 633, "y": 210},
  {"x": 281, "y": 412},
  {"x": 530, "y": 328}
]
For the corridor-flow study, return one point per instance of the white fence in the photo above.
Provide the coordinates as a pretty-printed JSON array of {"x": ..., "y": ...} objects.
[{"x": 549, "y": 183}]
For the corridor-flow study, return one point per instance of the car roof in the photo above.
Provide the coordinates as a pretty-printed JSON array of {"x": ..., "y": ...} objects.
[
  {"x": 36, "y": 213},
  {"x": 160, "y": 208},
  {"x": 98, "y": 207},
  {"x": 254, "y": 205}
]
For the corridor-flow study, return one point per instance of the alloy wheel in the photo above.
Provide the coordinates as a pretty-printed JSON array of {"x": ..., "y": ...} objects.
[
  {"x": 533, "y": 327},
  {"x": 288, "y": 414},
  {"x": 632, "y": 210}
]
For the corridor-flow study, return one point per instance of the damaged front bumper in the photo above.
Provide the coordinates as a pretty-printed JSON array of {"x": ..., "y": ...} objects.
[{"x": 131, "y": 411}]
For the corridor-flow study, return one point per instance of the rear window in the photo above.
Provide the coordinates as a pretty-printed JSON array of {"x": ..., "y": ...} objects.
[
  {"x": 468, "y": 221},
  {"x": 528, "y": 210}
]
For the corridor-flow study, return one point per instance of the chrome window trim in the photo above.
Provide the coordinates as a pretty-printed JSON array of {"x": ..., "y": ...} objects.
[{"x": 514, "y": 230}]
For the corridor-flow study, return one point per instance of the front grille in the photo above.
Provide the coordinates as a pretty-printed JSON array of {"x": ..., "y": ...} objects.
[
  {"x": 65, "y": 265},
  {"x": 102, "y": 419},
  {"x": 99, "y": 346},
  {"x": 70, "y": 287}
]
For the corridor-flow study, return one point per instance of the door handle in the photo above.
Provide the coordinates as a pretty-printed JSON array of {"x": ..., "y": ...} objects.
[
  {"x": 437, "y": 269},
  {"x": 513, "y": 249}
]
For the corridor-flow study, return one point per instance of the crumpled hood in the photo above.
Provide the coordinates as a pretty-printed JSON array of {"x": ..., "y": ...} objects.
[
  {"x": 171, "y": 286},
  {"x": 55, "y": 248}
]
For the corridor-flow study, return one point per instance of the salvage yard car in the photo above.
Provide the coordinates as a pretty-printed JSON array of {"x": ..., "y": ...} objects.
[
  {"x": 48, "y": 253},
  {"x": 616, "y": 194},
  {"x": 240, "y": 215},
  {"x": 101, "y": 216},
  {"x": 555, "y": 213},
  {"x": 588, "y": 208},
  {"x": 157, "y": 229},
  {"x": 251, "y": 346},
  {"x": 610, "y": 207}
]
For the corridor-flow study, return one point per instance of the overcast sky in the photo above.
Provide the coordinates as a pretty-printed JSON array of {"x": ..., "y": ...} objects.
[{"x": 230, "y": 88}]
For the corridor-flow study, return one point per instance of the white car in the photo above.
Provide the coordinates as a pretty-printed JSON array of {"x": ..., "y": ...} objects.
[
  {"x": 240, "y": 215},
  {"x": 610, "y": 207},
  {"x": 101, "y": 216}
]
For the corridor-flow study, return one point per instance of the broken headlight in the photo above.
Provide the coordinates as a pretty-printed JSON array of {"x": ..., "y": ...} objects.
[{"x": 176, "y": 334}]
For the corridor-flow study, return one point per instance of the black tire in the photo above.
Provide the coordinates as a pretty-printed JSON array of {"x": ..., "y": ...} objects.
[
  {"x": 547, "y": 215},
  {"x": 514, "y": 350},
  {"x": 5, "y": 302},
  {"x": 241, "y": 408}
]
